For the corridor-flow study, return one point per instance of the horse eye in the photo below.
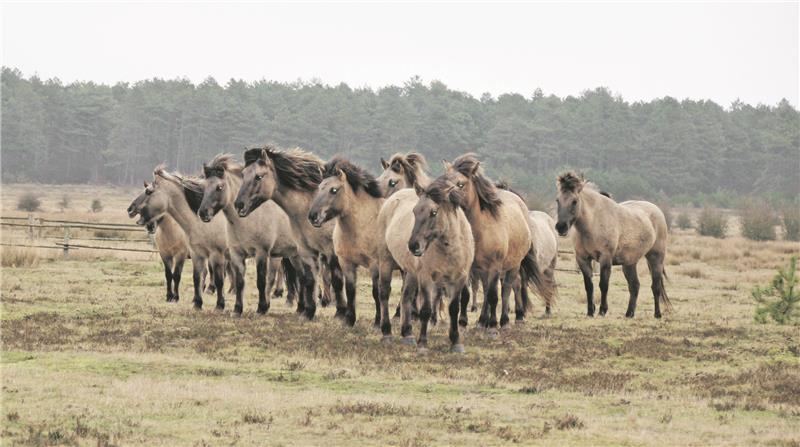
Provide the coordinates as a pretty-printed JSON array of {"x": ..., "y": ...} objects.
[
  {"x": 148, "y": 191},
  {"x": 259, "y": 177},
  {"x": 219, "y": 187},
  {"x": 392, "y": 183},
  {"x": 574, "y": 202},
  {"x": 460, "y": 185},
  {"x": 334, "y": 190},
  {"x": 434, "y": 213}
]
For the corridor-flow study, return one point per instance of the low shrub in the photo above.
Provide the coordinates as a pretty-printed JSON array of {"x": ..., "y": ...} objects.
[
  {"x": 29, "y": 202},
  {"x": 791, "y": 221},
  {"x": 97, "y": 206},
  {"x": 684, "y": 222},
  {"x": 64, "y": 203},
  {"x": 712, "y": 223},
  {"x": 779, "y": 301},
  {"x": 758, "y": 221}
]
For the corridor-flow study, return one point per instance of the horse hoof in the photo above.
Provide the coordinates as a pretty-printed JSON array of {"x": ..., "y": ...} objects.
[
  {"x": 236, "y": 315},
  {"x": 350, "y": 320},
  {"x": 658, "y": 316},
  {"x": 198, "y": 307},
  {"x": 409, "y": 340},
  {"x": 458, "y": 349},
  {"x": 492, "y": 333},
  {"x": 262, "y": 310},
  {"x": 546, "y": 316},
  {"x": 628, "y": 314},
  {"x": 463, "y": 323},
  {"x": 387, "y": 340}
]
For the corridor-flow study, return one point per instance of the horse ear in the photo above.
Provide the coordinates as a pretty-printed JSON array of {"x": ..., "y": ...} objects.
[
  {"x": 447, "y": 165},
  {"x": 384, "y": 164},
  {"x": 419, "y": 189},
  {"x": 206, "y": 171},
  {"x": 145, "y": 183},
  {"x": 342, "y": 176},
  {"x": 477, "y": 166}
]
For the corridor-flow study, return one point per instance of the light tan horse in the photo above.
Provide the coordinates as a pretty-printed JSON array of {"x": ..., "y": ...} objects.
[
  {"x": 499, "y": 222},
  {"x": 291, "y": 178},
  {"x": 612, "y": 233},
  {"x": 265, "y": 235},
  {"x": 431, "y": 240},
  {"x": 350, "y": 196},
  {"x": 207, "y": 242},
  {"x": 173, "y": 247},
  {"x": 403, "y": 171}
]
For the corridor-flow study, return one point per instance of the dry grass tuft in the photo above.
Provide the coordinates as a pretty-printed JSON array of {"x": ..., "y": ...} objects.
[
  {"x": 569, "y": 422},
  {"x": 15, "y": 257}
]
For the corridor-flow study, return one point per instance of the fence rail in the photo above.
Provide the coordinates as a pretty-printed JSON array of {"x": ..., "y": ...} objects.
[{"x": 35, "y": 225}]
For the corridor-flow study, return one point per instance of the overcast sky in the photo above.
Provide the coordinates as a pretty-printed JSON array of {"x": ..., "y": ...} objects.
[{"x": 640, "y": 51}]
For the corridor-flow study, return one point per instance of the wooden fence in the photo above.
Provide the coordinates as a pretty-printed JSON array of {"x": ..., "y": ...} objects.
[{"x": 65, "y": 241}]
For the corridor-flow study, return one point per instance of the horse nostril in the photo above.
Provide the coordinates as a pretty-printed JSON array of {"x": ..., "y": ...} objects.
[
  {"x": 312, "y": 216},
  {"x": 239, "y": 204},
  {"x": 413, "y": 246}
]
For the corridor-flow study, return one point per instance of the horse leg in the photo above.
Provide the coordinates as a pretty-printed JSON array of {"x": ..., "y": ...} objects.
[
  {"x": 655, "y": 262},
  {"x": 337, "y": 282},
  {"x": 291, "y": 277},
  {"x": 505, "y": 293},
  {"x": 425, "y": 314},
  {"x": 475, "y": 284},
  {"x": 521, "y": 298},
  {"x": 350, "y": 277},
  {"x": 264, "y": 278},
  {"x": 177, "y": 269},
  {"x": 605, "y": 275},
  {"x": 212, "y": 288},
  {"x": 325, "y": 284},
  {"x": 400, "y": 304},
  {"x": 219, "y": 281},
  {"x": 585, "y": 264},
  {"x": 237, "y": 266},
  {"x": 410, "y": 291},
  {"x": 633, "y": 288},
  {"x": 463, "y": 320},
  {"x": 483, "y": 319},
  {"x": 383, "y": 277},
  {"x": 198, "y": 276},
  {"x": 376, "y": 296},
  {"x": 454, "y": 305},
  {"x": 491, "y": 297},
  {"x": 299, "y": 269},
  {"x": 167, "y": 260},
  {"x": 276, "y": 272}
]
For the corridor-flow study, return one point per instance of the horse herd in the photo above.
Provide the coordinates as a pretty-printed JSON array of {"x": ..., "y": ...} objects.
[{"x": 320, "y": 221}]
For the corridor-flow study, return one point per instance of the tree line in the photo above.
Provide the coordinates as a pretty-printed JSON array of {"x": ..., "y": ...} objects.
[{"x": 85, "y": 132}]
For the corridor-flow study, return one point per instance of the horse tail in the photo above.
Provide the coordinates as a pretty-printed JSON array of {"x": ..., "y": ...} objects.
[
  {"x": 664, "y": 297},
  {"x": 544, "y": 286}
]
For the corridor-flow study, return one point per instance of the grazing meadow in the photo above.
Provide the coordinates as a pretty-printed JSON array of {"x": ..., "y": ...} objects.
[{"x": 92, "y": 354}]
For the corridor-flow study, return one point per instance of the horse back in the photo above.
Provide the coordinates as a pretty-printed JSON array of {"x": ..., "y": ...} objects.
[
  {"x": 643, "y": 227},
  {"x": 395, "y": 223}
]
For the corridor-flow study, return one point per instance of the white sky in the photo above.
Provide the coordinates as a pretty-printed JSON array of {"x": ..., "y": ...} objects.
[{"x": 641, "y": 51}]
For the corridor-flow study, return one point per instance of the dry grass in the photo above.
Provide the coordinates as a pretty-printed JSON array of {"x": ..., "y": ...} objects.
[
  {"x": 19, "y": 257},
  {"x": 93, "y": 355}
]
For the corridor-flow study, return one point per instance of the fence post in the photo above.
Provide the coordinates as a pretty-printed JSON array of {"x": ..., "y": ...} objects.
[
  {"x": 40, "y": 222},
  {"x": 30, "y": 226},
  {"x": 66, "y": 242}
]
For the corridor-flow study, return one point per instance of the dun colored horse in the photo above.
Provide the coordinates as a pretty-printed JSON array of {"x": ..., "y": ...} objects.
[
  {"x": 612, "y": 233},
  {"x": 266, "y": 235},
  {"x": 171, "y": 243},
  {"x": 499, "y": 222},
  {"x": 350, "y": 195},
  {"x": 403, "y": 171},
  {"x": 207, "y": 242},
  {"x": 291, "y": 178},
  {"x": 438, "y": 235}
]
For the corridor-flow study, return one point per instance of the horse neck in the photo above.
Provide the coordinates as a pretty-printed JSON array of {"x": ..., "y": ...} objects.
[
  {"x": 179, "y": 210},
  {"x": 294, "y": 202},
  {"x": 590, "y": 201},
  {"x": 232, "y": 183},
  {"x": 422, "y": 179},
  {"x": 360, "y": 212},
  {"x": 476, "y": 217}
]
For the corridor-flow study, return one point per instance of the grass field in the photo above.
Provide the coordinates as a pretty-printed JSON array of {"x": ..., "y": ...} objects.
[{"x": 93, "y": 355}]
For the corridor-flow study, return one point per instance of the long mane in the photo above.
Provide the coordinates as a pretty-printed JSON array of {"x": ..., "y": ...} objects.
[
  {"x": 220, "y": 164},
  {"x": 572, "y": 181},
  {"x": 295, "y": 168},
  {"x": 412, "y": 164},
  {"x": 442, "y": 192},
  {"x": 487, "y": 192},
  {"x": 357, "y": 177},
  {"x": 192, "y": 186}
]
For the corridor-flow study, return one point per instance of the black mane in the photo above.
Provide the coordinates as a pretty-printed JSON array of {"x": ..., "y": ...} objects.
[
  {"x": 469, "y": 166},
  {"x": 357, "y": 177}
]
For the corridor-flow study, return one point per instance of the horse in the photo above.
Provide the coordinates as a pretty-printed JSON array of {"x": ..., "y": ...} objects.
[
  {"x": 290, "y": 178},
  {"x": 173, "y": 248},
  {"x": 499, "y": 222},
  {"x": 612, "y": 233},
  {"x": 432, "y": 242},
  {"x": 266, "y": 235},
  {"x": 207, "y": 242},
  {"x": 544, "y": 246},
  {"x": 403, "y": 171},
  {"x": 350, "y": 196}
]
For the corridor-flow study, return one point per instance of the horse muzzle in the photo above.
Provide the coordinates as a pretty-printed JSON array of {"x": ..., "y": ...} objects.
[{"x": 562, "y": 229}]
